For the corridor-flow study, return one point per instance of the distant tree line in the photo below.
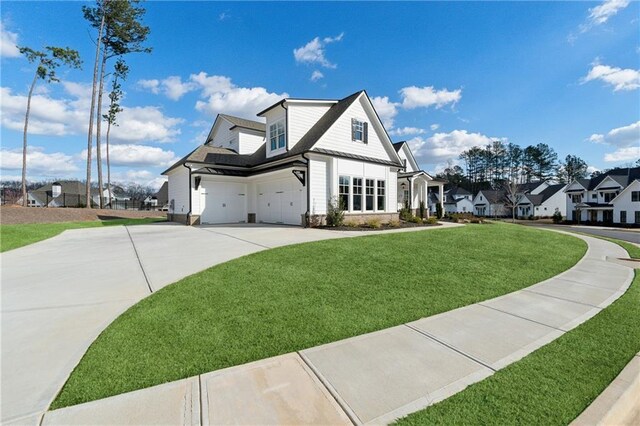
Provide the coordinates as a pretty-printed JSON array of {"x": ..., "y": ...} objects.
[{"x": 499, "y": 163}]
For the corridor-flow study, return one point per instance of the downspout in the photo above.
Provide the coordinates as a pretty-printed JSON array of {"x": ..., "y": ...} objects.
[
  {"x": 188, "y": 213},
  {"x": 307, "y": 182}
]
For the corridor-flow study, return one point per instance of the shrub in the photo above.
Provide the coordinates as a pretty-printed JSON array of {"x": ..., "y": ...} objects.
[
  {"x": 314, "y": 220},
  {"x": 405, "y": 214},
  {"x": 530, "y": 217},
  {"x": 351, "y": 223},
  {"x": 439, "y": 211},
  {"x": 421, "y": 209},
  {"x": 432, "y": 220},
  {"x": 394, "y": 223},
  {"x": 416, "y": 219},
  {"x": 373, "y": 223},
  {"x": 557, "y": 217},
  {"x": 335, "y": 213}
]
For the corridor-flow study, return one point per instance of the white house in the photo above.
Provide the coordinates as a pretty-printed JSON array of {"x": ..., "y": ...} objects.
[
  {"x": 414, "y": 183},
  {"x": 545, "y": 202},
  {"x": 605, "y": 198},
  {"x": 307, "y": 154},
  {"x": 456, "y": 200},
  {"x": 489, "y": 202}
]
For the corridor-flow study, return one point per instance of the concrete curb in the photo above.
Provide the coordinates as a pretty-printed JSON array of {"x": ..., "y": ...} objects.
[{"x": 619, "y": 404}]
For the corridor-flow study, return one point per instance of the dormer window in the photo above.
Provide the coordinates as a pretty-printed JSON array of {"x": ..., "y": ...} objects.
[
  {"x": 276, "y": 135},
  {"x": 359, "y": 130}
]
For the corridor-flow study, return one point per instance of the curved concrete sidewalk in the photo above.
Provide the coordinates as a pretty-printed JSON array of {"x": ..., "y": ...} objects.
[
  {"x": 60, "y": 293},
  {"x": 378, "y": 377}
]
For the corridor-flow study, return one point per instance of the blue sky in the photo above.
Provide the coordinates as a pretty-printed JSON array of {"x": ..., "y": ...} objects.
[{"x": 444, "y": 75}]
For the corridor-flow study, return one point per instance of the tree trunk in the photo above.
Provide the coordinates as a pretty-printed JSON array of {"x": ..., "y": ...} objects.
[
  {"x": 25, "y": 201},
  {"x": 93, "y": 106},
  {"x": 98, "y": 126},
  {"x": 108, "y": 164}
]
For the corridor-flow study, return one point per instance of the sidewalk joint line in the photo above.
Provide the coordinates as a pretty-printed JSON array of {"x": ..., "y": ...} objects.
[
  {"x": 524, "y": 318},
  {"x": 234, "y": 237},
  {"x": 353, "y": 417},
  {"x": 79, "y": 305},
  {"x": 453, "y": 348},
  {"x": 581, "y": 283},
  {"x": 135, "y": 250},
  {"x": 560, "y": 298}
]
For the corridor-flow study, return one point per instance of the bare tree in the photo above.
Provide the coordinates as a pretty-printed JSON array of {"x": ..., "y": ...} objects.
[
  {"x": 47, "y": 61},
  {"x": 512, "y": 197}
]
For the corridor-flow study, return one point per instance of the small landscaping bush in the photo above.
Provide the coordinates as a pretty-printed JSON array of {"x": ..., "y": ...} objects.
[
  {"x": 335, "y": 213},
  {"x": 351, "y": 223},
  {"x": 432, "y": 220},
  {"x": 394, "y": 223},
  {"x": 557, "y": 217},
  {"x": 405, "y": 214},
  {"x": 416, "y": 219},
  {"x": 439, "y": 211},
  {"x": 421, "y": 209},
  {"x": 373, "y": 223}
]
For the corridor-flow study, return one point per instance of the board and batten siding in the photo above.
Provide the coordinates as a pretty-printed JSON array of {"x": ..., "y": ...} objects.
[
  {"x": 623, "y": 203},
  {"x": 319, "y": 185},
  {"x": 301, "y": 119},
  {"x": 338, "y": 137},
  {"x": 179, "y": 190}
]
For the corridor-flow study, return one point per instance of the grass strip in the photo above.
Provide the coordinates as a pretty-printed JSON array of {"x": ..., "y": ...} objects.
[
  {"x": 296, "y": 297},
  {"x": 14, "y": 236},
  {"x": 554, "y": 384}
]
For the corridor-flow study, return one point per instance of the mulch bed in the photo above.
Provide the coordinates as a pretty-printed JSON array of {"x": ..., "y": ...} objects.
[
  {"x": 382, "y": 227},
  {"x": 19, "y": 215}
]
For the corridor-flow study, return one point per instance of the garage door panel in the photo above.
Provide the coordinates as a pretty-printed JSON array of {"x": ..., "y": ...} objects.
[
  {"x": 224, "y": 203},
  {"x": 281, "y": 201}
]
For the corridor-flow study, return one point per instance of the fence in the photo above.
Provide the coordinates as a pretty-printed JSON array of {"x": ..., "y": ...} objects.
[{"x": 78, "y": 200}]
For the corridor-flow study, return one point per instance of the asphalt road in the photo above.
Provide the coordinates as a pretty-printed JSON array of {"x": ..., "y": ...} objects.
[{"x": 630, "y": 235}]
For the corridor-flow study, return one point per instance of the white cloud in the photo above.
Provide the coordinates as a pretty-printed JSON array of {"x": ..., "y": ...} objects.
[
  {"x": 620, "y": 79},
  {"x": 386, "y": 109},
  {"x": 415, "y": 97},
  {"x": 172, "y": 87},
  {"x": 631, "y": 153},
  {"x": 434, "y": 126},
  {"x": 405, "y": 131},
  {"x": 8, "y": 41},
  {"x": 442, "y": 147},
  {"x": 626, "y": 139},
  {"x": 38, "y": 161},
  {"x": 314, "y": 51},
  {"x": 316, "y": 75},
  {"x": 222, "y": 96},
  {"x": 140, "y": 177},
  {"x": 136, "y": 156},
  {"x": 591, "y": 169},
  {"x": 601, "y": 13},
  {"x": 69, "y": 116}
]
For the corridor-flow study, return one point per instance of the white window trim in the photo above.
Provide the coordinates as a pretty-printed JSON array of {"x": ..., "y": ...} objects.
[
  {"x": 354, "y": 132},
  {"x": 364, "y": 211},
  {"x": 278, "y": 150}
]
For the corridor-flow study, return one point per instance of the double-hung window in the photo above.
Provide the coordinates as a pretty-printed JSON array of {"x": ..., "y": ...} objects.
[
  {"x": 623, "y": 216},
  {"x": 381, "y": 195},
  {"x": 635, "y": 196},
  {"x": 576, "y": 198},
  {"x": 637, "y": 217},
  {"x": 276, "y": 135},
  {"x": 370, "y": 194},
  {"x": 343, "y": 193},
  {"x": 357, "y": 194},
  {"x": 359, "y": 130}
]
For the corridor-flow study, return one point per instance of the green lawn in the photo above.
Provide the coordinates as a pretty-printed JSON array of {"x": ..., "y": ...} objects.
[
  {"x": 14, "y": 236},
  {"x": 554, "y": 384},
  {"x": 296, "y": 297}
]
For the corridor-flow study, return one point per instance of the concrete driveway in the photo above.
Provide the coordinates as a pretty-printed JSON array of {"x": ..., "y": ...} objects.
[{"x": 59, "y": 294}]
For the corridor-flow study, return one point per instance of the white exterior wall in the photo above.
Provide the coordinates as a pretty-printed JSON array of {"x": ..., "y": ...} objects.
[
  {"x": 353, "y": 168},
  {"x": 178, "y": 190},
  {"x": 556, "y": 201},
  {"x": 319, "y": 181},
  {"x": 405, "y": 158},
  {"x": 301, "y": 118},
  {"x": 623, "y": 202},
  {"x": 338, "y": 137},
  {"x": 462, "y": 206},
  {"x": 248, "y": 143},
  {"x": 223, "y": 136}
]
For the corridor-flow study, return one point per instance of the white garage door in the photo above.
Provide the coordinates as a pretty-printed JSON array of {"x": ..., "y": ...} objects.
[
  {"x": 281, "y": 201},
  {"x": 224, "y": 203}
]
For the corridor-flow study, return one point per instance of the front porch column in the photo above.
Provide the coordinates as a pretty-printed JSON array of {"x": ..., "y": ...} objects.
[
  {"x": 441, "y": 196},
  {"x": 425, "y": 197}
]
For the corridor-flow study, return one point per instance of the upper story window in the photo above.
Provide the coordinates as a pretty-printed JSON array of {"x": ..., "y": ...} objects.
[
  {"x": 576, "y": 198},
  {"x": 635, "y": 196},
  {"x": 359, "y": 130},
  {"x": 608, "y": 196},
  {"x": 277, "y": 135}
]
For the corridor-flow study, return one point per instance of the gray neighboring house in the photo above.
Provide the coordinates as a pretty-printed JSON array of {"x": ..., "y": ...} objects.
[
  {"x": 64, "y": 193},
  {"x": 456, "y": 200},
  {"x": 160, "y": 199}
]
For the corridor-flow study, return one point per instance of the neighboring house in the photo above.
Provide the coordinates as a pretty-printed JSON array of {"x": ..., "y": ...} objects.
[
  {"x": 414, "y": 183},
  {"x": 308, "y": 153},
  {"x": 69, "y": 193},
  {"x": 456, "y": 200},
  {"x": 545, "y": 202},
  {"x": 160, "y": 199},
  {"x": 612, "y": 197},
  {"x": 489, "y": 202}
]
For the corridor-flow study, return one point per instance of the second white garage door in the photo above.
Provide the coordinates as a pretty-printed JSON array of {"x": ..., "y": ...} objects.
[
  {"x": 224, "y": 203},
  {"x": 281, "y": 201}
]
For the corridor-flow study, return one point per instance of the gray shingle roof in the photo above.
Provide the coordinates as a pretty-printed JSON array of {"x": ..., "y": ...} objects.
[{"x": 244, "y": 123}]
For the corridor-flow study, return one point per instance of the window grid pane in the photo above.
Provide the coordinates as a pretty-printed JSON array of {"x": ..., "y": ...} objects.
[
  {"x": 370, "y": 191},
  {"x": 343, "y": 192},
  {"x": 357, "y": 194},
  {"x": 381, "y": 203}
]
